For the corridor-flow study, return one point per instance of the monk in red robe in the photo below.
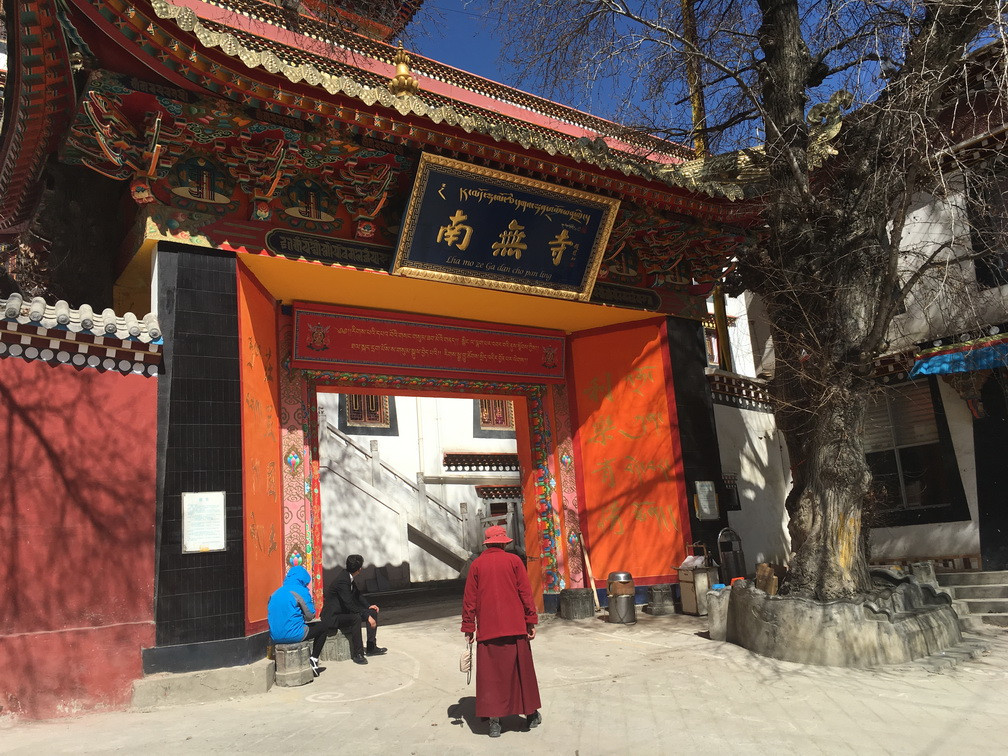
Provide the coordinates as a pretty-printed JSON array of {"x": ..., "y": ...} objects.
[{"x": 497, "y": 606}]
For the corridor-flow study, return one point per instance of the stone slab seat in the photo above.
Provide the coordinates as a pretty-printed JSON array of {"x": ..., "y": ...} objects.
[
  {"x": 901, "y": 621},
  {"x": 577, "y": 603},
  {"x": 660, "y": 600},
  {"x": 336, "y": 648},
  {"x": 293, "y": 667}
]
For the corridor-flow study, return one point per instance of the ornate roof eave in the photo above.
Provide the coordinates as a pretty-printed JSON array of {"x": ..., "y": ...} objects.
[
  {"x": 593, "y": 151},
  {"x": 444, "y": 78},
  {"x": 38, "y": 102},
  {"x": 404, "y": 15}
]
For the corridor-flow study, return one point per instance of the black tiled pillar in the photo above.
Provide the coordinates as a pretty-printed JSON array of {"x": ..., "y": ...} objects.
[
  {"x": 198, "y": 597},
  {"x": 697, "y": 431}
]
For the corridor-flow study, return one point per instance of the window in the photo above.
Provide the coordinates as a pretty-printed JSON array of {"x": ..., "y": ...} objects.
[
  {"x": 498, "y": 508},
  {"x": 496, "y": 414},
  {"x": 911, "y": 457},
  {"x": 493, "y": 418},
  {"x": 987, "y": 209},
  {"x": 711, "y": 341},
  {"x": 368, "y": 415}
]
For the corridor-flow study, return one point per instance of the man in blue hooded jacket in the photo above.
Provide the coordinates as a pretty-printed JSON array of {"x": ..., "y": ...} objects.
[{"x": 291, "y": 614}]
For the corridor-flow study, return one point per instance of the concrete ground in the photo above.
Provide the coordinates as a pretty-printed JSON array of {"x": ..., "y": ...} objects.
[{"x": 657, "y": 687}]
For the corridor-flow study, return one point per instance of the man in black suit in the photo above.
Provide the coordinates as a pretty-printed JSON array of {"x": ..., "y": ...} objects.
[{"x": 345, "y": 609}]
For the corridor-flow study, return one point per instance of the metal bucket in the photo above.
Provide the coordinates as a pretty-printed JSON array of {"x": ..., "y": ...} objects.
[{"x": 620, "y": 590}]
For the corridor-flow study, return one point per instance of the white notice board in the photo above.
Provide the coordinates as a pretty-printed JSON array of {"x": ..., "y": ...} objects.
[
  {"x": 706, "y": 502},
  {"x": 203, "y": 522}
]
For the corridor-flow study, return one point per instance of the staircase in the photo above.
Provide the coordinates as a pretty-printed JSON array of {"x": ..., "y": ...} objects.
[
  {"x": 423, "y": 521},
  {"x": 979, "y": 598}
]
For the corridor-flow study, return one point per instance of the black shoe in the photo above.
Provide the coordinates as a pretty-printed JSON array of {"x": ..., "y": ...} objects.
[
  {"x": 315, "y": 668},
  {"x": 534, "y": 719},
  {"x": 494, "y": 727},
  {"x": 376, "y": 651},
  {"x": 359, "y": 659}
]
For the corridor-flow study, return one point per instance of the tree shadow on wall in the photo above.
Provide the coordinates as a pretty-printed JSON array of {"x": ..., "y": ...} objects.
[{"x": 77, "y": 500}]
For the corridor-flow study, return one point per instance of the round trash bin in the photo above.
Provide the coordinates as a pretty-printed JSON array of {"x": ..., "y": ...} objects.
[{"x": 620, "y": 590}]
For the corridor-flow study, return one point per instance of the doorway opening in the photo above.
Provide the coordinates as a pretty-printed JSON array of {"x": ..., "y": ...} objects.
[
  {"x": 411, "y": 471},
  {"x": 410, "y": 482}
]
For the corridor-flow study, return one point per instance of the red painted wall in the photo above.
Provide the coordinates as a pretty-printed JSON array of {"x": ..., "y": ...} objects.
[{"x": 77, "y": 500}]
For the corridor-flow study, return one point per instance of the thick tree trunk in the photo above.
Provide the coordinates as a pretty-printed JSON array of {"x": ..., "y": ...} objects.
[
  {"x": 831, "y": 485},
  {"x": 819, "y": 294}
]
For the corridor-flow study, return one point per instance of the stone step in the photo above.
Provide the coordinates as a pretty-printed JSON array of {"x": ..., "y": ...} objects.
[
  {"x": 992, "y": 577},
  {"x": 971, "y": 621},
  {"x": 176, "y": 688},
  {"x": 966, "y": 592},
  {"x": 969, "y": 649},
  {"x": 983, "y": 622},
  {"x": 986, "y": 606}
]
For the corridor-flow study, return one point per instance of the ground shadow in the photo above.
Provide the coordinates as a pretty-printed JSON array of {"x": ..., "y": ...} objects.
[
  {"x": 464, "y": 713},
  {"x": 421, "y": 612}
]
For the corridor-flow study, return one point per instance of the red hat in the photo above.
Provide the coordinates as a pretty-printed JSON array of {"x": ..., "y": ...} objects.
[{"x": 496, "y": 534}]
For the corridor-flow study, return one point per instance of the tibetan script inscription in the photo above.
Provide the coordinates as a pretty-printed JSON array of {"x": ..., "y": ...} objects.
[{"x": 323, "y": 249}]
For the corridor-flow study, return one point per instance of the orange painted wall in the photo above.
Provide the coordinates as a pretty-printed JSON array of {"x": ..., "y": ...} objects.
[
  {"x": 261, "y": 473},
  {"x": 632, "y": 487}
]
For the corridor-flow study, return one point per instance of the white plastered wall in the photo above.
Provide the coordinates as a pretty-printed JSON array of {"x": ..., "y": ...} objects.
[{"x": 752, "y": 449}]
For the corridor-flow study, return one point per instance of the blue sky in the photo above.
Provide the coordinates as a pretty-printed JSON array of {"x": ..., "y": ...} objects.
[
  {"x": 460, "y": 34},
  {"x": 455, "y": 32}
]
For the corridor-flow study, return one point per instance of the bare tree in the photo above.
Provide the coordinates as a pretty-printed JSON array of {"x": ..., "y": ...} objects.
[{"x": 830, "y": 264}]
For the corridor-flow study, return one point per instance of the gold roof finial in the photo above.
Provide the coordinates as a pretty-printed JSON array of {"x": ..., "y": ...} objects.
[{"x": 403, "y": 82}]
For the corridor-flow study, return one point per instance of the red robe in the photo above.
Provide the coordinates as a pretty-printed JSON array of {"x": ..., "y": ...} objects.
[{"x": 498, "y": 607}]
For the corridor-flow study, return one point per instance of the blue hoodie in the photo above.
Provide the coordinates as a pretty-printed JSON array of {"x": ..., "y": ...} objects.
[{"x": 290, "y": 606}]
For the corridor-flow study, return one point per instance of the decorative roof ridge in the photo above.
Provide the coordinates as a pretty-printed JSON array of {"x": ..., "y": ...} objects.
[
  {"x": 442, "y": 72},
  {"x": 60, "y": 316},
  {"x": 582, "y": 149},
  {"x": 541, "y": 106},
  {"x": 369, "y": 82}
]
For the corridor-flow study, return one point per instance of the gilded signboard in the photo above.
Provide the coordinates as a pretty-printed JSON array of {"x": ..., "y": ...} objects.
[{"x": 482, "y": 227}]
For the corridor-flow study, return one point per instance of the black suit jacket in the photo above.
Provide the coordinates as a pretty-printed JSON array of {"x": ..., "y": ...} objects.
[{"x": 343, "y": 597}]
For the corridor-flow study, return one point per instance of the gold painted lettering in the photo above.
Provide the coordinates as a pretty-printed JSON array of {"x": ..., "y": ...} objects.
[
  {"x": 511, "y": 242},
  {"x": 450, "y": 234}
]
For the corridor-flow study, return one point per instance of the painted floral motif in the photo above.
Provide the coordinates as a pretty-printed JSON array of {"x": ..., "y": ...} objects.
[{"x": 293, "y": 460}]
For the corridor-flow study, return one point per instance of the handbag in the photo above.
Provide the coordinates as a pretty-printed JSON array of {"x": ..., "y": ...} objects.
[{"x": 465, "y": 662}]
